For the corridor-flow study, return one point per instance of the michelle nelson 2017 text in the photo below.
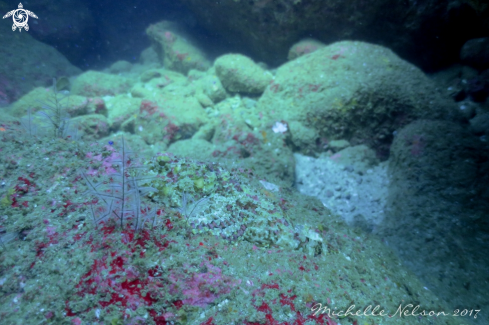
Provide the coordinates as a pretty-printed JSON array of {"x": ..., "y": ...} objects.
[{"x": 402, "y": 311}]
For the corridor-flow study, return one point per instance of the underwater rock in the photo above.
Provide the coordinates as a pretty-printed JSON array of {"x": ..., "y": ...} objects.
[
  {"x": 149, "y": 57},
  {"x": 238, "y": 142},
  {"x": 480, "y": 124},
  {"x": 192, "y": 148},
  {"x": 303, "y": 138},
  {"x": 355, "y": 91},
  {"x": 475, "y": 53},
  {"x": 252, "y": 254},
  {"x": 240, "y": 74},
  {"x": 167, "y": 119},
  {"x": 437, "y": 207},
  {"x": 304, "y": 47},
  {"x": 150, "y": 74},
  {"x": 453, "y": 81},
  {"x": 97, "y": 84},
  {"x": 120, "y": 108},
  {"x": 175, "y": 50},
  {"x": 74, "y": 105},
  {"x": 211, "y": 86},
  {"x": 93, "y": 126},
  {"x": 120, "y": 67}
]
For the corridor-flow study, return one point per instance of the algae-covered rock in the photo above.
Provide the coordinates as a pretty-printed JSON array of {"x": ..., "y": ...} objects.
[
  {"x": 120, "y": 66},
  {"x": 475, "y": 53},
  {"x": 167, "y": 119},
  {"x": 150, "y": 74},
  {"x": 120, "y": 109},
  {"x": 304, "y": 47},
  {"x": 211, "y": 86},
  {"x": 155, "y": 83},
  {"x": 303, "y": 138},
  {"x": 193, "y": 148},
  {"x": 354, "y": 91},
  {"x": 74, "y": 105},
  {"x": 240, "y": 74},
  {"x": 93, "y": 126},
  {"x": 149, "y": 57},
  {"x": 203, "y": 99},
  {"x": 222, "y": 247},
  {"x": 33, "y": 101},
  {"x": 437, "y": 208},
  {"x": 175, "y": 50},
  {"x": 96, "y": 84},
  {"x": 238, "y": 142}
]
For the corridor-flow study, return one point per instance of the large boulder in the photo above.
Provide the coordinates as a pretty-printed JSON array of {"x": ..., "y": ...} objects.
[
  {"x": 436, "y": 214},
  {"x": 175, "y": 49},
  {"x": 94, "y": 83},
  {"x": 303, "y": 47},
  {"x": 476, "y": 53},
  {"x": 240, "y": 74},
  {"x": 354, "y": 91},
  {"x": 166, "y": 119},
  {"x": 222, "y": 246},
  {"x": 40, "y": 98}
]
